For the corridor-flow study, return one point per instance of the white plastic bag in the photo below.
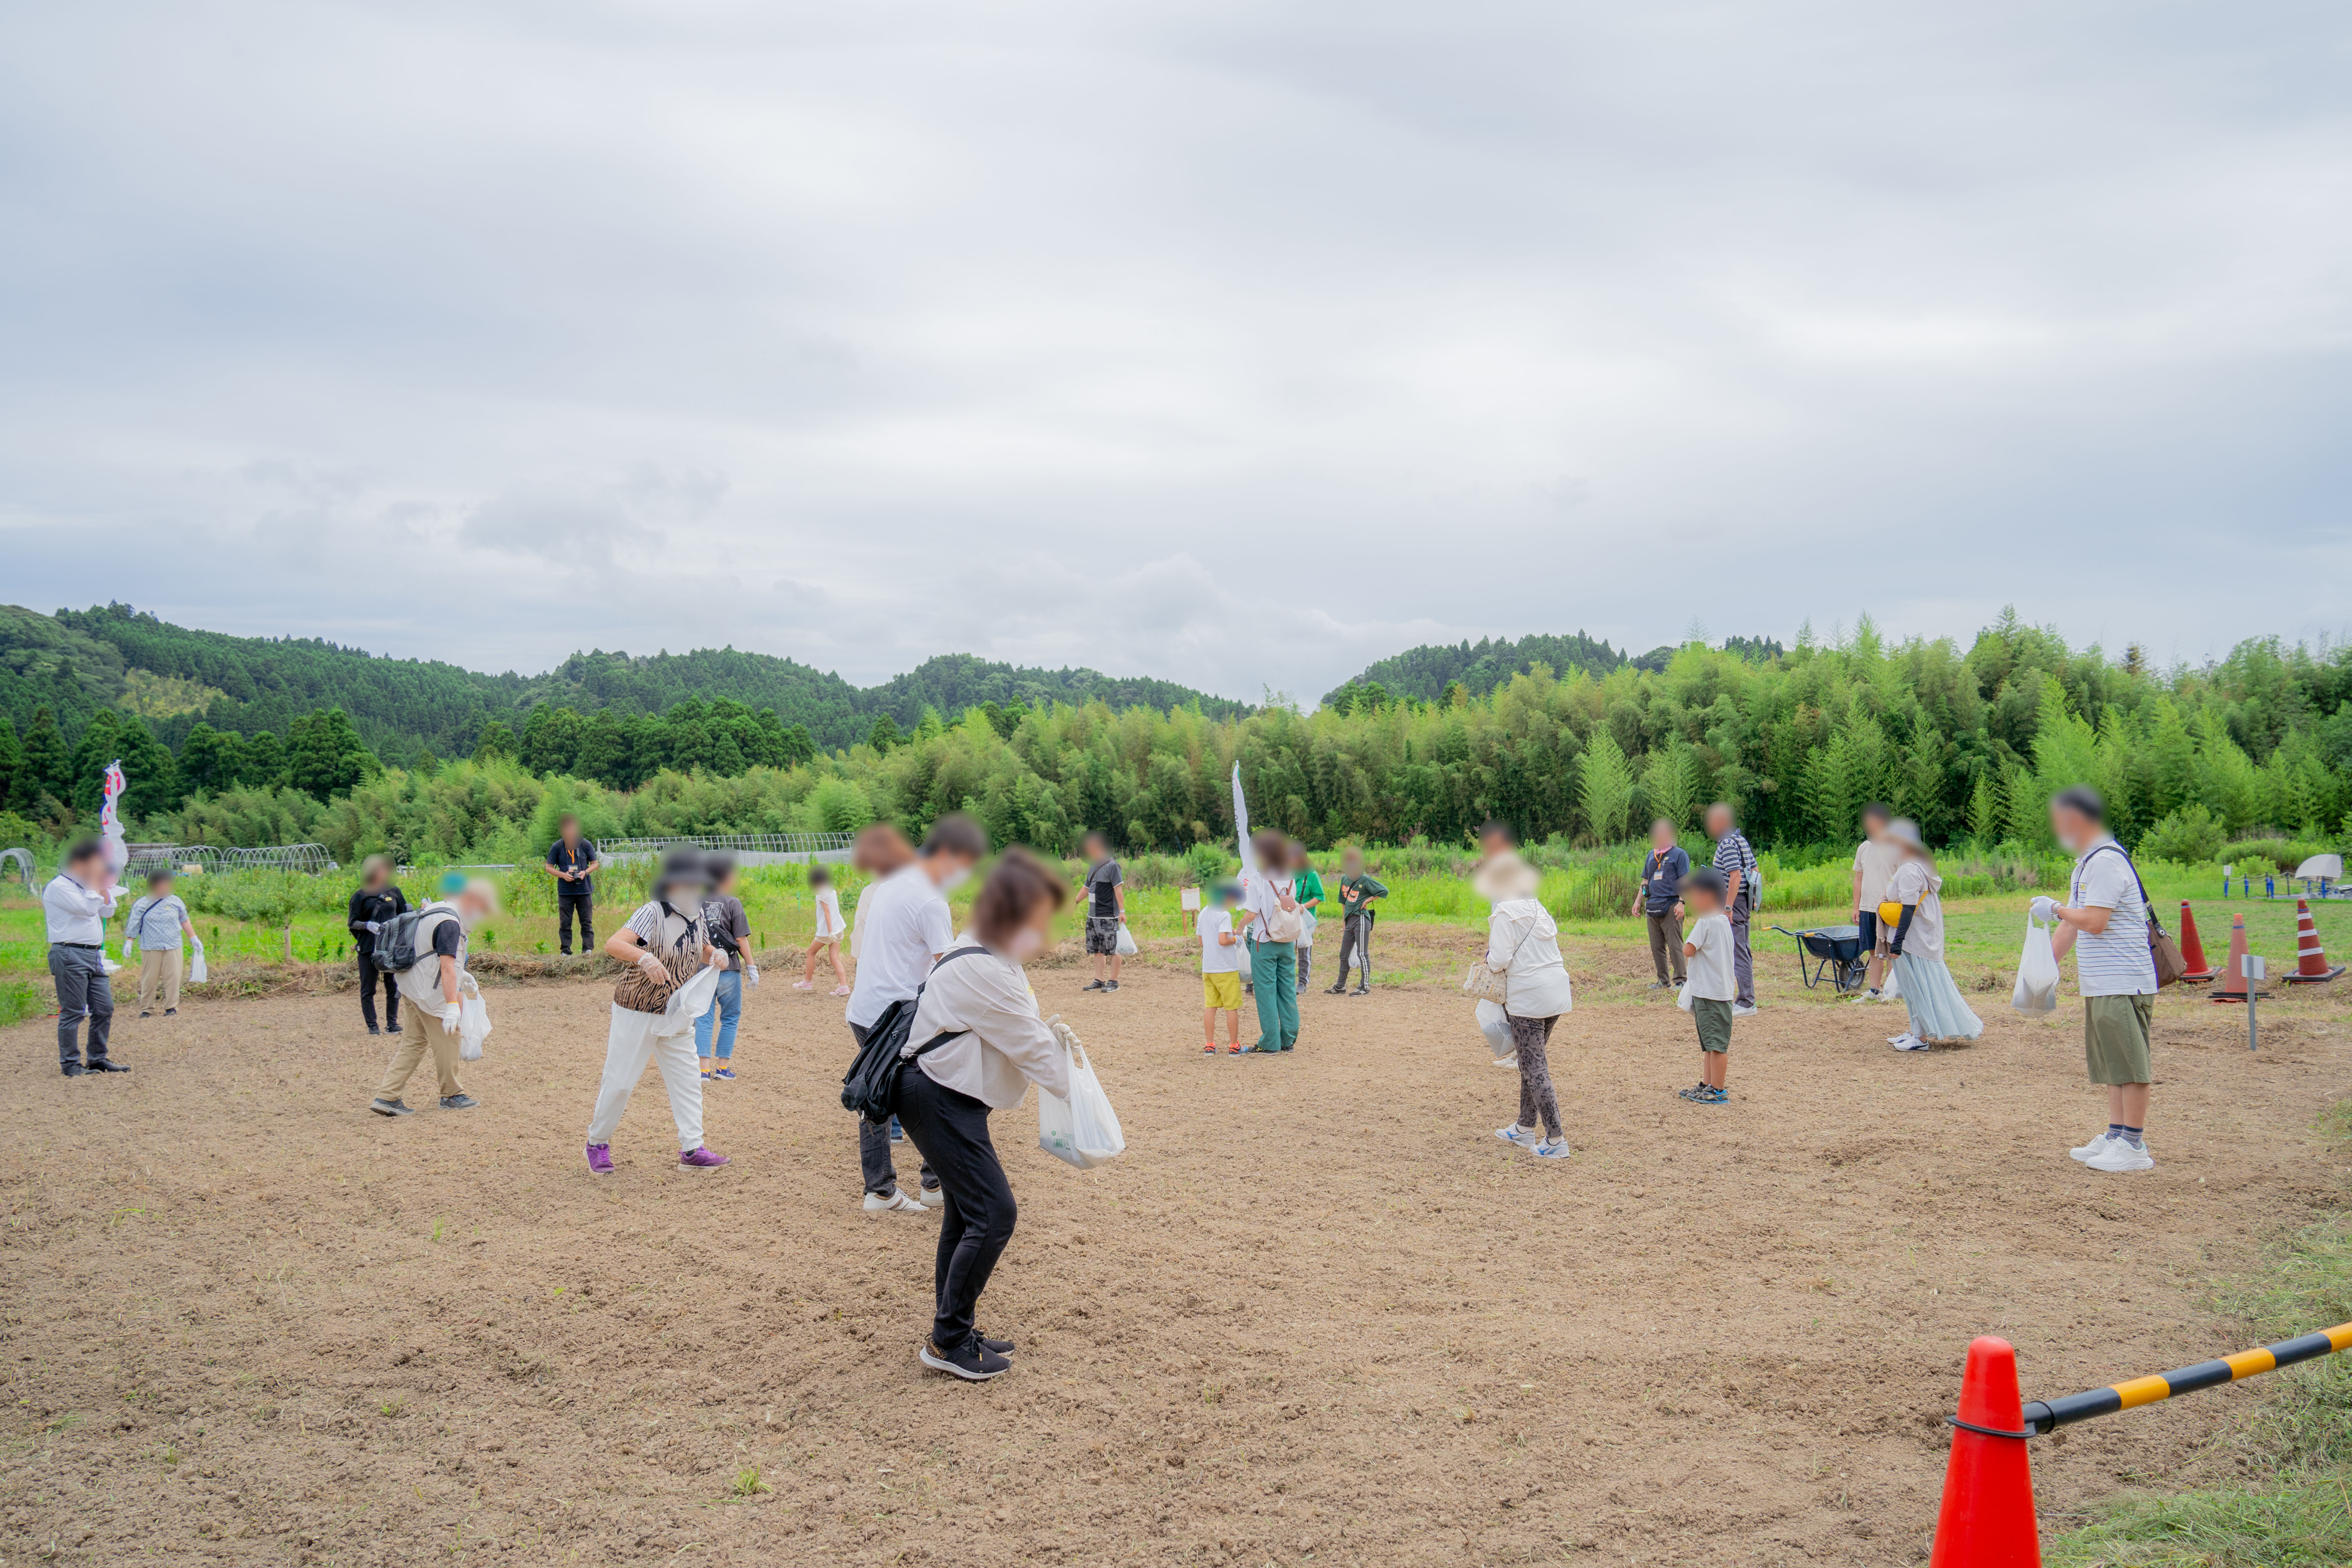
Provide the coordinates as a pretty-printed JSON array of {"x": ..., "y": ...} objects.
[
  {"x": 196, "y": 969},
  {"x": 2037, "y": 974},
  {"x": 473, "y": 1026},
  {"x": 1083, "y": 1130},
  {"x": 1496, "y": 1025},
  {"x": 688, "y": 1003},
  {"x": 1126, "y": 941},
  {"x": 1681, "y": 997}
]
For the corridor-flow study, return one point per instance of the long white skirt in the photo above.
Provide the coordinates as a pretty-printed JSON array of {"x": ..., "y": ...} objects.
[{"x": 1938, "y": 1013}]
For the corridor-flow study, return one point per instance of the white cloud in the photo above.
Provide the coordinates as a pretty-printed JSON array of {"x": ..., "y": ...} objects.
[{"x": 1237, "y": 344}]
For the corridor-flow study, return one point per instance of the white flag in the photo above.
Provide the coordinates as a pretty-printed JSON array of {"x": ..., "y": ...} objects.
[{"x": 1241, "y": 829}]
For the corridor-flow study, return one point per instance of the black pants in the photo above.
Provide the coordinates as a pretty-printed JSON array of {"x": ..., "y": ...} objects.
[
  {"x": 874, "y": 1148},
  {"x": 1356, "y": 943},
  {"x": 83, "y": 992},
  {"x": 952, "y": 1129},
  {"x": 368, "y": 975},
  {"x": 566, "y": 905}
]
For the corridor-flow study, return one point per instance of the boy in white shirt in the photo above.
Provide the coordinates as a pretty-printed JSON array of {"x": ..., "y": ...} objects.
[
  {"x": 1874, "y": 862},
  {"x": 1714, "y": 984},
  {"x": 2104, "y": 921},
  {"x": 1220, "y": 972}
]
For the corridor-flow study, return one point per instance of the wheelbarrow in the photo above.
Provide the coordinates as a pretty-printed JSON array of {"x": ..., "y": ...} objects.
[{"x": 1833, "y": 950}]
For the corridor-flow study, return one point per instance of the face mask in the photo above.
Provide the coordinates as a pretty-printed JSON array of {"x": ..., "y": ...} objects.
[
  {"x": 955, "y": 879},
  {"x": 1025, "y": 944}
]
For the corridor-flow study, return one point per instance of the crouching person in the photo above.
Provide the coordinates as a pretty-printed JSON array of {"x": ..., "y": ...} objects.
[
  {"x": 979, "y": 1045},
  {"x": 664, "y": 945},
  {"x": 433, "y": 981}
]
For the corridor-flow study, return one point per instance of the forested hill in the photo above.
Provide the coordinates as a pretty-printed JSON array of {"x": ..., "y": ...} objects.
[
  {"x": 1426, "y": 671},
  {"x": 111, "y": 657}
]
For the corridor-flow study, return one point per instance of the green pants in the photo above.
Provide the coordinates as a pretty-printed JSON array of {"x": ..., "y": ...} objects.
[{"x": 1274, "y": 969}]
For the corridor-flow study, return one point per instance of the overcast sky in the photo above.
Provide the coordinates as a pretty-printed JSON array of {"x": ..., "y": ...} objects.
[{"x": 1235, "y": 344}]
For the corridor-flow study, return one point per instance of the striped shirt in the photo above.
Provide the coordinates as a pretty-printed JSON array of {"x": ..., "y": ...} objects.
[
  {"x": 2115, "y": 961},
  {"x": 1732, "y": 854}
]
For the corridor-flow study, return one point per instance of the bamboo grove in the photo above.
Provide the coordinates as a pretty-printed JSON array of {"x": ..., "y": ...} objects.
[{"x": 1968, "y": 742}]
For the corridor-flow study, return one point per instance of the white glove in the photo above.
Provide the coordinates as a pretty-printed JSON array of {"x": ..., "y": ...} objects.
[
  {"x": 653, "y": 967},
  {"x": 2045, "y": 909},
  {"x": 1067, "y": 1035},
  {"x": 374, "y": 928},
  {"x": 449, "y": 1022}
]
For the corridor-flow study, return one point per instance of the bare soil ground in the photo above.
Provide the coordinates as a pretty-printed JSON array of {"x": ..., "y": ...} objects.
[{"x": 1318, "y": 1314}]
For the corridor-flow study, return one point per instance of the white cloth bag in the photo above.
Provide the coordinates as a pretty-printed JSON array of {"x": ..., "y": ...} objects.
[
  {"x": 1496, "y": 1025},
  {"x": 688, "y": 1003},
  {"x": 196, "y": 969},
  {"x": 2036, "y": 994},
  {"x": 1083, "y": 1130},
  {"x": 1126, "y": 941}
]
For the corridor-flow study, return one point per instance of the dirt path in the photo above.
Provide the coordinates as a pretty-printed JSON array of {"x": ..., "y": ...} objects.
[{"x": 1318, "y": 1313}]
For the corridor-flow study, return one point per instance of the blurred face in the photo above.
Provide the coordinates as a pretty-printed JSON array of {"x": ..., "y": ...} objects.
[
  {"x": 570, "y": 831},
  {"x": 1718, "y": 821},
  {"x": 1096, "y": 849},
  {"x": 1874, "y": 828},
  {"x": 1495, "y": 843},
  {"x": 1352, "y": 863},
  {"x": 472, "y": 908},
  {"x": 1701, "y": 901},
  {"x": 87, "y": 868},
  {"x": 161, "y": 887},
  {"x": 2074, "y": 830},
  {"x": 1662, "y": 836}
]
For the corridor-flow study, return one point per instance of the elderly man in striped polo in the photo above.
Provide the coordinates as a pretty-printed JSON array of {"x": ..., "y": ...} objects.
[{"x": 1737, "y": 861}]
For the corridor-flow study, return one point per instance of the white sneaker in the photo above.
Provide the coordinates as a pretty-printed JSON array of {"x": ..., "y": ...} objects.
[
  {"x": 1510, "y": 1061},
  {"x": 896, "y": 1203},
  {"x": 2122, "y": 1155},
  {"x": 1739, "y": 1012},
  {"x": 934, "y": 1197},
  {"x": 1552, "y": 1149},
  {"x": 2090, "y": 1150},
  {"x": 1525, "y": 1137},
  {"x": 1909, "y": 1043}
]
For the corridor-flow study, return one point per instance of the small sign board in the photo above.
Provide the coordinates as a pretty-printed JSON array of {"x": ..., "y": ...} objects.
[{"x": 1189, "y": 901}]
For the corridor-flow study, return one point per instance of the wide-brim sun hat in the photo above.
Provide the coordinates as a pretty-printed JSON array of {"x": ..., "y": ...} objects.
[
  {"x": 1504, "y": 877},
  {"x": 1905, "y": 832}
]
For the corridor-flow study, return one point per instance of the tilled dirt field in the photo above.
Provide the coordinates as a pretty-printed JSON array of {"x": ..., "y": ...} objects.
[{"x": 1318, "y": 1314}]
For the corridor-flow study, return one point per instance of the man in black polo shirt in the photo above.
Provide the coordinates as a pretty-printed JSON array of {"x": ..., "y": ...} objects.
[{"x": 571, "y": 861}]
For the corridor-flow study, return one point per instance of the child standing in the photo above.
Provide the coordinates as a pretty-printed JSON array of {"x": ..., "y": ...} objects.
[
  {"x": 1714, "y": 986},
  {"x": 729, "y": 933},
  {"x": 1308, "y": 887},
  {"x": 1915, "y": 948},
  {"x": 1221, "y": 971},
  {"x": 826, "y": 944},
  {"x": 1874, "y": 862}
]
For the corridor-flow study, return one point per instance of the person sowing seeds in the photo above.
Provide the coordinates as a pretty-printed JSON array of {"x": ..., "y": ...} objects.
[
  {"x": 1915, "y": 948},
  {"x": 665, "y": 945}
]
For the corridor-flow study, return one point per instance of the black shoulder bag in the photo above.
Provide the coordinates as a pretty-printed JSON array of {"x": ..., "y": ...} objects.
[{"x": 872, "y": 1082}]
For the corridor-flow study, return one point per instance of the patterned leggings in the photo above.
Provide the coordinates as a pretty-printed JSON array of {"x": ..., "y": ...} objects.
[{"x": 1536, "y": 1096}]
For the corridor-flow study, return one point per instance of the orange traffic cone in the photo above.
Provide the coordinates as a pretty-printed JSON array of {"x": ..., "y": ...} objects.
[
  {"x": 2232, "y": 984},
  {"x": 2310, "y": 958},
  {"x": 2192, "y": 952},
  {"x": 1987, "y": 1520}
]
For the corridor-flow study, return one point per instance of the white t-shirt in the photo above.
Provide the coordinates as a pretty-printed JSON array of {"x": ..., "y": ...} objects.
[
  {"x": 2115, "y": 961},
  {"x": 902, "y": 925},
  {"x": 1877, "y": 864},
  {"x": 828, "y": 914},
  {"x": 1710, "y": 966},
  {"x": 1216, "y": 958},
  {"x": 1916, "y": 883}
]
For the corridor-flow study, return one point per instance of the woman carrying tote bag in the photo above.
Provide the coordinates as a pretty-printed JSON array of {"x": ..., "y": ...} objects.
[{"x": 977, "y": 1045}]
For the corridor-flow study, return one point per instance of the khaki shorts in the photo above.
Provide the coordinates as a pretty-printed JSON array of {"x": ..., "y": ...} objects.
[
  {"x": 2115, "y": 1038},
  {"x": 1713, "y": 1021},
  {"x": 1221, "y": 991}
]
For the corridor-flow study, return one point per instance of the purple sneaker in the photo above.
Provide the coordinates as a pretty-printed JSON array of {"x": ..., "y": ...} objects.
[
  {"x": 701, "y": 1159},
  {"x": 599, "y": 1159},
  {"x": 724, "y": 1072}
]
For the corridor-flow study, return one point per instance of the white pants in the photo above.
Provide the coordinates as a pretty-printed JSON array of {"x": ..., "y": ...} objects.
[{"x": 626, "y": 1051}]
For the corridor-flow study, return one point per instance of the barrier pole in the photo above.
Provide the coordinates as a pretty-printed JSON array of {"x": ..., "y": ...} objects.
[{"x": 2042, "y": 1416}]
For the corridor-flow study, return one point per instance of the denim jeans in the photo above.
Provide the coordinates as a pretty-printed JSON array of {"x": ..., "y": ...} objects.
[{"x": 726, "y": 1007}]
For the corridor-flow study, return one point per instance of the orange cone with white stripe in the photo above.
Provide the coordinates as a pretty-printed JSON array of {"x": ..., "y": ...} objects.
[
  {"x": 2192, "y": 950},
  {"x": 2311, "y": 964},
  {"x": 2232, "y": 986},
  {"x": 1987, "y": 1520}
]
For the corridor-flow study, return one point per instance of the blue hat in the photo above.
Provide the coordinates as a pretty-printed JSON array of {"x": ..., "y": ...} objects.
[{"x": 452, "y": 883}]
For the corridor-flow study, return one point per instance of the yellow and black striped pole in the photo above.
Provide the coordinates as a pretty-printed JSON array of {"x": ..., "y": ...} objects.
[{"x": 2042, "y": 1416}]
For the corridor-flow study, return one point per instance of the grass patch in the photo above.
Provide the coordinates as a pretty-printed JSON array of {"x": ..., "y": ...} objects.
[
  {"x": 19, "y": 1000},
  {"x": 748, "y": 1483},
  {"x": 2299, "y": 1442}
]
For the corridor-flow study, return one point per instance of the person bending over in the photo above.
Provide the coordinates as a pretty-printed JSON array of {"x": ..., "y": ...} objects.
[
  {"x": 664, "y": 945},
  {"x": 980, "y": 1044}
]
